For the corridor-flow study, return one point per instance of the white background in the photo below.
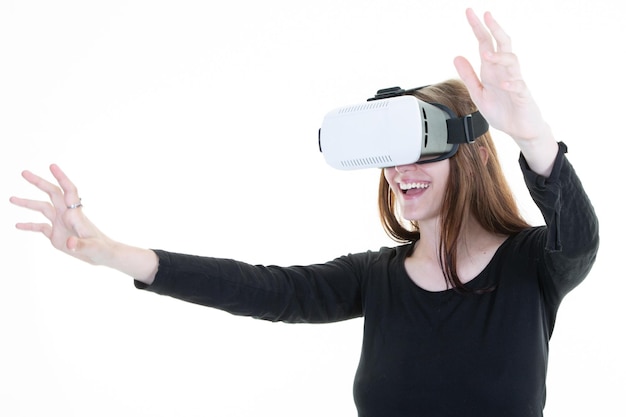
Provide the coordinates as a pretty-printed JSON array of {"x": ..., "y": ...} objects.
[{"x": 191, "y": 126}]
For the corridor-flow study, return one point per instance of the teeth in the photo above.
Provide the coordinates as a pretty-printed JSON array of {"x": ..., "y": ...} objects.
[{"x": 412, "y": 185}]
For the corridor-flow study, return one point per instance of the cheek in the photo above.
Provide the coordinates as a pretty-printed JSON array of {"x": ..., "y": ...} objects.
[{"x": 389, "y": 174}]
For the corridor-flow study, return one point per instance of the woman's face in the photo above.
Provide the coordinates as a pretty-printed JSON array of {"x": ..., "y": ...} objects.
[{"x": 419, "y": 188}]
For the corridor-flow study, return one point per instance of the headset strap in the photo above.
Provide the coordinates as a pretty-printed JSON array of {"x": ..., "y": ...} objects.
[{"x": 467, "y": 128}]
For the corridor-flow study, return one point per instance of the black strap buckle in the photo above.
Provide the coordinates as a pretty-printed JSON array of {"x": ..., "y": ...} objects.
[
  {"x": 469, "y": 129},
  {"x": 387, "y": 93},
  {"x": 393, "y": 92}
]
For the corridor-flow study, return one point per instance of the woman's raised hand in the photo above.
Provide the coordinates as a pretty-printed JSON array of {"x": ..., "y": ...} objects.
[
  {"x": 68, "y": 229},
  {"x": 502, "y": 95}
]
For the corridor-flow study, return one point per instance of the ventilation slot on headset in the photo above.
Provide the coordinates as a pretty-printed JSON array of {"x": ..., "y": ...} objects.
[
  {"x": 367, "y": 162},
  {"x": 362, "y": 107},
  {"x": 425, "y": 118}
]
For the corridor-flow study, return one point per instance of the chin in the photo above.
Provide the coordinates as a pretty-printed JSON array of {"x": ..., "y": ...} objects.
[
  {"x": 411, "y": 217},
  {"x": 417, "y": 216}
]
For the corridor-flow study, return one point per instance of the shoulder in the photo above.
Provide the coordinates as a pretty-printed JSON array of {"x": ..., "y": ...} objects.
[
  {"x": 374, "y": 263},
  {"x": 383, "y": 254}
]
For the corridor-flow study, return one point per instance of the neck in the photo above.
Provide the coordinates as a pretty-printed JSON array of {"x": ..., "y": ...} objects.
[
  {"x": 475, "y": 242},
  {"x": 475, "y": 250}
]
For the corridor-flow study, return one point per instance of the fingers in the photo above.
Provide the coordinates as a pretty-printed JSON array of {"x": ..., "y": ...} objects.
[
  {"x": 485, "y": 42},
  {"x": 69, "y": 230},
  {"x": 52, "y": 190},
  {"x": 500, "y": 66},
  {"x": 41, "y": 206},
  {"x": 46, "y": 229},
  {"x": 487, "y": 34},
  {"x": 61, "y": 198},
  {"x": 65, "y": 196},
  {"x": 503, "y": 40},
  {"x": 70, "y": 191}
]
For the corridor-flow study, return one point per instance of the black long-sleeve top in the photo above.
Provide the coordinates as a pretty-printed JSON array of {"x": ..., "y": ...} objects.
[{"x": 430, "y": 354}]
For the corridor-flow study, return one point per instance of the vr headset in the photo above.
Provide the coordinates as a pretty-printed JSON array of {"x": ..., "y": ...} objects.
[{"x": 395, "y": 128}]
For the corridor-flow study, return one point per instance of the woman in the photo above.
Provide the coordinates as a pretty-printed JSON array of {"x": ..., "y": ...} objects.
[{"x": 457, "y": 317}]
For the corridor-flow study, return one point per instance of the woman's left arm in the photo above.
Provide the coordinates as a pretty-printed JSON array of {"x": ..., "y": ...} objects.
[{"x": 503, "y": 97}]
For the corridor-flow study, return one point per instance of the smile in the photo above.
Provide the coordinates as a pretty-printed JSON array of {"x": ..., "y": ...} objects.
[{"x": 413, "y": 185}]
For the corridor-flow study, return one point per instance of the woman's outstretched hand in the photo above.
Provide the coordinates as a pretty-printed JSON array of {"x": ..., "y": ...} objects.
[
  {"x": 68, "y": 229},
  {"x": 502, "y": 95},
  {"x": 71, "y": 232}
]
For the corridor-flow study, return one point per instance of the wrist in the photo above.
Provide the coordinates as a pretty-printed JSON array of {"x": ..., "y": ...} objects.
[
  {"x": 533, "y": 134},
  {"x": 540, "y": 151},
  {"x": 139, "y": 263}
]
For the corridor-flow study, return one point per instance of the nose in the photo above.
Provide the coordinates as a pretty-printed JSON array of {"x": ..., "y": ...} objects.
[{"x": 400, "y": 169}]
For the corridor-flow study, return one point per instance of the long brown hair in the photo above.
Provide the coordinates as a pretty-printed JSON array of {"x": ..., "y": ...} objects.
[{"x": 474, "y": 188}]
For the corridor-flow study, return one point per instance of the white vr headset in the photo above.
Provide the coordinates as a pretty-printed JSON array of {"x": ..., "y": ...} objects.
[{"x": 395, "y": 128}]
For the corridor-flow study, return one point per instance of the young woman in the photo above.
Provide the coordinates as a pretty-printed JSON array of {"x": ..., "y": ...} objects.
[{"x": 458, "y": 316}]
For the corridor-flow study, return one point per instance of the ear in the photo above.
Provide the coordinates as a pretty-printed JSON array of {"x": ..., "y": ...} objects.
[{"x": 484, "y": 154}]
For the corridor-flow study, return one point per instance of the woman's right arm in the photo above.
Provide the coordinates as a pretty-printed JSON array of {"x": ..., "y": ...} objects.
[
  {"x": 316, "y": 293},
  {"x": 71, "y": 232}
]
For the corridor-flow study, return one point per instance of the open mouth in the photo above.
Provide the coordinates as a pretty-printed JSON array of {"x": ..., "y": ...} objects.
[{"x": 408, "y": 187}]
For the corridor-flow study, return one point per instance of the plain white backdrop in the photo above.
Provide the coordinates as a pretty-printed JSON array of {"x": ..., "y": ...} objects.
[{"x": 192, "y": 126}]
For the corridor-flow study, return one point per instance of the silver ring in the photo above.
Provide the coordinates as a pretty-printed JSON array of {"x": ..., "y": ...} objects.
[{"x": 76, "y": 205}]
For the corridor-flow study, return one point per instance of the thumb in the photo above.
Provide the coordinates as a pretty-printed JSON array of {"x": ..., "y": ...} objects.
[
  {"x": 72, "y": 243},
  {"x": 83, "y": 249},
  {"x": 468, "y": 75}
]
